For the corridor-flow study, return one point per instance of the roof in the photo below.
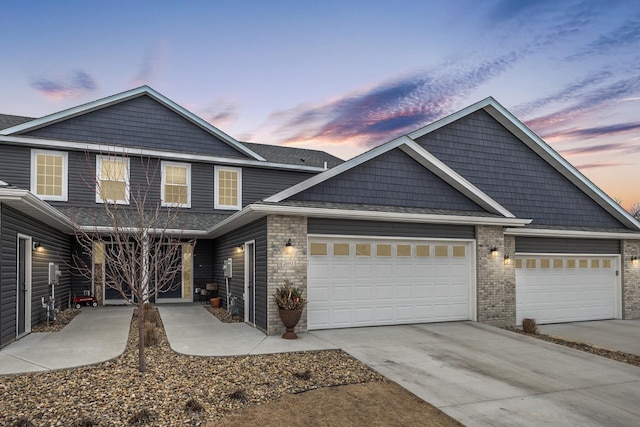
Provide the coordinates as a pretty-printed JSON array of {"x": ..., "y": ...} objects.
[
  {"x": 24, "y": 201},
  {"x": 7, "y": 120},
  {"x": 294, "y": 155}
]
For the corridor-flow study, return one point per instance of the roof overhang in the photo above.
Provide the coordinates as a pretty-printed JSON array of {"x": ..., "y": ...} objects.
[
  {"x": 24, "y": 201},
  {"x": 256, "y": 211},
  {"x": 576, "y": 234},
  {"x": 102, "y": 229}
]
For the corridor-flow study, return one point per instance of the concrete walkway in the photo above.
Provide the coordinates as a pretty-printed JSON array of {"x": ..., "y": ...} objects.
[
  {"x": 620, "y": 335},
  {"x": 192, "y": 330},
  {"x": 93, "y": 336},
  {"x": 482, "y": 375}
]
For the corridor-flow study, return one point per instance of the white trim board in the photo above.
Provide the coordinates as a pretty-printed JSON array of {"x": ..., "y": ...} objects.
[{"x": 539, "y": 232}]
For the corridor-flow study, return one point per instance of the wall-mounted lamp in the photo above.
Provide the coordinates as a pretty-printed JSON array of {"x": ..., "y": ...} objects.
[
  {"x": 493, "y": 251},
  {"x": 36, "y": 245},
  {"x": 241, "y": 248},
  {"x": 288, "y": 247},
  {"x": 507, "y": 260},
  {"x": 634, "y": 260}
]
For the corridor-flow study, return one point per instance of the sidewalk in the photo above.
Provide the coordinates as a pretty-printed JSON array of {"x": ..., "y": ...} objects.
[
  {"x": 93, "y": 336},
  {"x": 192, "y": 330}
]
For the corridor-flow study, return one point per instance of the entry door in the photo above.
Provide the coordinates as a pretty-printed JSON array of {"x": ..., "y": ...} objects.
[
  {"x": 174, "y": 288},
  {"x": 250, "y": 282},
  {"x": 24, "y": 286}
]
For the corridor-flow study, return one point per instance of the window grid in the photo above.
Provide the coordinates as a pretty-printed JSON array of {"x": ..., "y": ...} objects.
[
  {"x": 49, "y": 175},
  {"x": 113, "y": 180},
  {"x": 175, "y": 185}
]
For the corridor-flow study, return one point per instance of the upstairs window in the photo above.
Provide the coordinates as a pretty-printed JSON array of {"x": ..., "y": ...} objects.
[
  {"x": 49, "y": 171},
  {"x": 176, "y": 184},
  {"x": 228, "y": 185},
  {"x": 112, "y": 180}
]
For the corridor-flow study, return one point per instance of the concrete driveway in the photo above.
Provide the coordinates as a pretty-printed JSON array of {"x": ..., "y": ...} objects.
[
  {"x": 620, "y": 335},
  {"x": 482, "y": 375}
]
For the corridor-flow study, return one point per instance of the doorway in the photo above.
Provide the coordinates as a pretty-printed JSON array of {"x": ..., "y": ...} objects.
[
  {"x": 250, "y": 282},
  {"x": 23, "y": 276}
]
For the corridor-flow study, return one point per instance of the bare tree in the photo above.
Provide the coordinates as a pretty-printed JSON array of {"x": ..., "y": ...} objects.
[
  {"x": 634, "y": 210},
  {"x": 132, "y": 246}
]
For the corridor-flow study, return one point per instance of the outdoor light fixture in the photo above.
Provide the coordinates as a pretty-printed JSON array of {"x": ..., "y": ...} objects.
[
  {"x": 634, "y": 260},
  {"x": 241, "y": 248},
  {"x": 288, "y": 245},
  {"x": 494, "y": 251},
  {"x": 36, "y": 245},
  {"x": 507, "y": 260},
  {"x": 288, "y": 248}
]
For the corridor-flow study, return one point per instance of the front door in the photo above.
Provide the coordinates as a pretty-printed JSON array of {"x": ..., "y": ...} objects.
[
  {"x": 23, "y": 286},
  {"x": 250, "y": 282}
]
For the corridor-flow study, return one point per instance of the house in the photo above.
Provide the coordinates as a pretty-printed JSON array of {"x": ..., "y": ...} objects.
[{"x": 472, "y": 217}]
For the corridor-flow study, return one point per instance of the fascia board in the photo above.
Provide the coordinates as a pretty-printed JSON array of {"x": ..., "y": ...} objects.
[
  {"x": 451, "y": 177},
  {"x": 103, "y": 229},
  {"x": 255, "y": 211},
  {"x": 580, "y": 234},
  {"x": 343, "y": 167},
  {"x": 26, "y": 202},
  {"x": 559, "y": 163},
  {"x": 114, "y": 99},
  {"x": 111, "y": 149}
]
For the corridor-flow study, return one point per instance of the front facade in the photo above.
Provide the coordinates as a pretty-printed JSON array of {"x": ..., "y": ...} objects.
[{"x": 470, "y": 218}]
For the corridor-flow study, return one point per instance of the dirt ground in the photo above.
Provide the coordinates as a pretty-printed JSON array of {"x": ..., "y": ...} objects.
[{"x": 370, "y": 404}]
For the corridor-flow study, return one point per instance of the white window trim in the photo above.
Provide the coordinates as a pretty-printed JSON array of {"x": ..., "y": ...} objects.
[
  {"x": 217, "y": 205},
  {"x": 99, "y": 159},
  {"x": 65, "y": 175},
  {"x": 162, "y": 188}
]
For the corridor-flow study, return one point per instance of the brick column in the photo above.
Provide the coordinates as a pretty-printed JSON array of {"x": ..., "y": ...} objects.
[
  {"x": 630, "y": 280},
  {"x": 285, "y": 265},
  {"x": 496, "y": 282}
]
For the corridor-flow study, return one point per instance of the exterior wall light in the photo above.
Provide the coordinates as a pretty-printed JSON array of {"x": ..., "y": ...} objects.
[
  {"x": 36, "y": 246},
  {"x": 493, "y": 251},
  {"x": 241, "y": 248},
  {"x": 634, "y": 260},
  {"x": 288, "y": 247},
  {"x": 507, "y": 260}
]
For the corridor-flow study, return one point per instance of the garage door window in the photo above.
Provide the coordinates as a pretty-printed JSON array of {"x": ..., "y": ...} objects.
[
  {"x": 606, "y": 263},
  {"x": 403, "y": 250},
  {"x": 318, "y": 249},
  {"x": 571, "y": 263},
  {"x": 595, "y": 263},
  {"x": 518, "y": 263},
  {"x": 442, "y": 251},
  {"x": 545, "y": 263},
  {"x": 363, "y": 249},
  {"x": 558, "y": 263},
  {"x": 423, "y": 250},
  {"x": 341, "y": 249},
  {"x": 458, "y": 251},
  {"x": 383, "y": 250},
  {"x": 532, "y": 263},
  {"x": 584, "y": 263}
]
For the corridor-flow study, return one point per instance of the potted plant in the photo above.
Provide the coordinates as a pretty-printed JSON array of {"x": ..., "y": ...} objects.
[{"x": 290, "y": 304}]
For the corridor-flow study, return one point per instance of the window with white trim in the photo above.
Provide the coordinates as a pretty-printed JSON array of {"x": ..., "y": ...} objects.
[
  {"x": 49, "y": 174},
  {"x": 228, "y": 188},
  {"x": 176, "y": 184},
  {"x": 112, "y": 179}
]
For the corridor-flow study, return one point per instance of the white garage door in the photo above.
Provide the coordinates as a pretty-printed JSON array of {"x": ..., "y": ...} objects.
[
  {"x": 369, "y": 281},
  {"x": 555, "y": 289}
]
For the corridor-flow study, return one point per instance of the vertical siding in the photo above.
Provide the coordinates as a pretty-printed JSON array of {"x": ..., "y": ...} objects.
[
  {"x": 56, "y": 247},
  {"x": 566, "y": 246},
  {"x": 227, "y": 247},
  {"x": 391, "y": 229}
]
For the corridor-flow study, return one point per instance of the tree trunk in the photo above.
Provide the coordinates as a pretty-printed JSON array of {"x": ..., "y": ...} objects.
[{"x": 142, "y": 366}]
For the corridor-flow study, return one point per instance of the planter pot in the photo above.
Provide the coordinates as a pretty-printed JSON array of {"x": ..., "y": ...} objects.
[
  {"x": 290, "y": 319},
  {"x": 215, "y": 302}
]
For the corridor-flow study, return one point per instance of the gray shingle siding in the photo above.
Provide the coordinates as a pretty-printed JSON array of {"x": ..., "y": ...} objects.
[
  {"x": 138, "y": 122},
  {"x": 493, "y": 159},
  {"x": 55, "y": 248},
  {"x": 393, "y": 179},
  {"x": 547, "y": 245},
  {"x": 390, "y": 229}
]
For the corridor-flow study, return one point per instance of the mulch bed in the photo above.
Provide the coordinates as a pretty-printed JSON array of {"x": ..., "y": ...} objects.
[
  {"x": 619, "y": 356},
  {"x": 223, "y": 315},
  {"x": 62, "y": 319},
  {"x": 177, "y": 390}
]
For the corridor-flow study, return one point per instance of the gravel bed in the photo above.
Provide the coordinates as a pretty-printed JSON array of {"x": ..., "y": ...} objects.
[
  {"x": 177, "y": 390},
  {"x": 223, "y": 315},
  {"x": 62, "y": 319},
  {"x": 619, "y": 356}
]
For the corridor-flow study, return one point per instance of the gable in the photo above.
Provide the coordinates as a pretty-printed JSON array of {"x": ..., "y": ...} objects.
[
  {"x": 493, "y": 159},
  {"x": 391, "y": 179},
  {"x": 138, "y": 122}
]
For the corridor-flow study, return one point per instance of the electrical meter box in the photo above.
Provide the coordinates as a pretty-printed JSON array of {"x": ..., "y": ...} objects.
[
  {"x": 227, "y": 268},
  {"x": 54, "y": 273}
]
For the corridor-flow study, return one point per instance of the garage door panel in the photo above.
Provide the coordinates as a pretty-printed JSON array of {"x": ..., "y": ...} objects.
[
  {"x": 389, "y": 289},
  {"x": 573, "y": 288}
]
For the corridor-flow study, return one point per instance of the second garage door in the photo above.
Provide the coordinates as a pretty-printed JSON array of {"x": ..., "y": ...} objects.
[
  {"x": 377, "y": 281},
  {"x": 555, "y": 289}
]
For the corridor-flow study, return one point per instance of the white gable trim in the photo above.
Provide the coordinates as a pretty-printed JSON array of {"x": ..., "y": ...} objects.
[
  {"x": 537, "y": 144},
  {"x": 170, "y": 155},
  {"x": 31, "y": 205},
  {"x": 120, "y": 97},
  {"x": 416, "y": 152}
]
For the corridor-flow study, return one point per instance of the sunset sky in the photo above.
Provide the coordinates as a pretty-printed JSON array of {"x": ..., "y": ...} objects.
[{"x": 344, "y": 76}]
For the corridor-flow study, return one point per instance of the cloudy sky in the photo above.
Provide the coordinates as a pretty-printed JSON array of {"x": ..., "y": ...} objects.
[{"x": 344, "y": 76}]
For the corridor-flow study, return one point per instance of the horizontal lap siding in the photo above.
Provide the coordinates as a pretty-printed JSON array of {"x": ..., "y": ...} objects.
[
  {"x": 227, "y": 247},
  {"x": 258, "y": 184},
  {"x": 391, "y": 229},
  {"x": 566, "y": 246},
  {"x": 15, "y": 166},
  {"x": 56, "y": 247}
]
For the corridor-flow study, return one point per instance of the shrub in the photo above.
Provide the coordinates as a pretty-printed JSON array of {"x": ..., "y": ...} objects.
[
  {"x": 141, "y": 417},
  {"x": 239, "y": 395},
  {"x": 151, "y": 336},
  {"x": 193, "y": 405},
  {"x": 306, "y": 375},
  {"x": 152, "y": 316},
  {"x": 529, "y": 326}
]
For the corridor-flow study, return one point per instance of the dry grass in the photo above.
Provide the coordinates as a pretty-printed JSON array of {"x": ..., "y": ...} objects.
[{"x": 529, "y": 326}]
